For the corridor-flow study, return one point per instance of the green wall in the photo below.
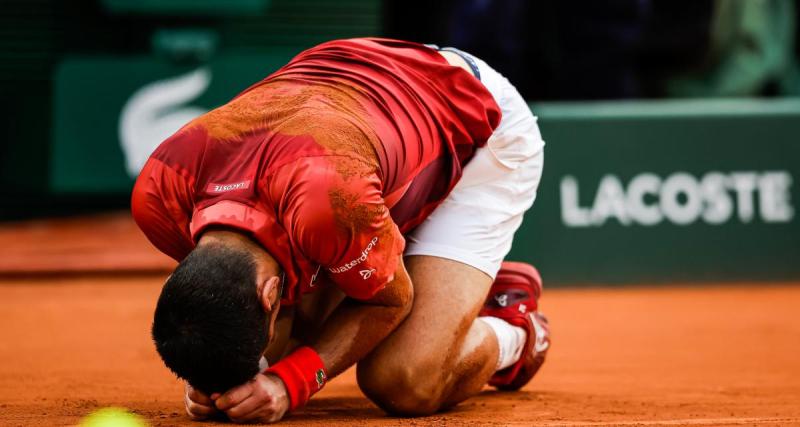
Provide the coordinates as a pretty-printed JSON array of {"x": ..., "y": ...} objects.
[{"x": 666, "y": 191}]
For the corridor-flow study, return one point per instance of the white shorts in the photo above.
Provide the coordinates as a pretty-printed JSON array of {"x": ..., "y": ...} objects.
[{"x": 476, "y": 223}]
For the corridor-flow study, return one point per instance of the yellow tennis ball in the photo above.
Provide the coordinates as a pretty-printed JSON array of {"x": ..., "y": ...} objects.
[{"x": 112, "y": 417}]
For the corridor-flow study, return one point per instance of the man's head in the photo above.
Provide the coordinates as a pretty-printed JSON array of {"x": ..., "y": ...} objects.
[{"x": 216, "y": 312}]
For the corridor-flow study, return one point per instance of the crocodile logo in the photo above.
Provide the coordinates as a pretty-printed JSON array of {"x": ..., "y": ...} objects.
[{"x": 156, "y": 111}]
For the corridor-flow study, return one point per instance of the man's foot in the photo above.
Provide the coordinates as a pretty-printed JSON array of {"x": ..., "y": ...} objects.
[{"x": 514, "y": 297}]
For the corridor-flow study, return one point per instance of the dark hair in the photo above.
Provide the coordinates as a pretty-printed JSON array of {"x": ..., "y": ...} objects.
[{"x": 209, "y": 326}]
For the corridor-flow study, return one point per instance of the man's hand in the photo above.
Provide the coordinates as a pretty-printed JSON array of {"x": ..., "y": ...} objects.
[
  {"x": 198, "y": 405},
  {"x": 262, "y": 399}
]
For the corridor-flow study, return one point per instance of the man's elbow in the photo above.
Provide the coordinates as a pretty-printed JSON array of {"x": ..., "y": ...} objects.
[{"x": 397, "y": 295}]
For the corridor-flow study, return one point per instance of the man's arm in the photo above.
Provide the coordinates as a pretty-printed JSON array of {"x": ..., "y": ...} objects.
[
  {"x": 342, "y": 223},
  {"x": 353, "y": 330},
  {"x": 356, "y": 327},
  {"x": 160, "y": 204}
]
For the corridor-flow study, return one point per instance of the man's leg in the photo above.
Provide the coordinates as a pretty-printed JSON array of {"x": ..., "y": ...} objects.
[{"x": 441, "y": 354}]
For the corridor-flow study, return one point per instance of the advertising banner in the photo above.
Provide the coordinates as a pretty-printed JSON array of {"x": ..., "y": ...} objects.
[{"x": 666, "y": 191}]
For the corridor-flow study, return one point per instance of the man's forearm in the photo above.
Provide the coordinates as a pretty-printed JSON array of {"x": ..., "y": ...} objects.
[{"x": 353, "y": 330}]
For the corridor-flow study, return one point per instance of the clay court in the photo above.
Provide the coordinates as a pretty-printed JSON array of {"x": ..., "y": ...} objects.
[{"x": 77, "y": 296}]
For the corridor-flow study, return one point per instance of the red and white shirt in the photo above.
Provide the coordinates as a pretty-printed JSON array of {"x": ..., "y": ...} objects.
[{"x": 326, "y": 163}]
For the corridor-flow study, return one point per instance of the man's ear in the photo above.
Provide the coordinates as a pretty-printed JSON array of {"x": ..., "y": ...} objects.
[{"x": 270, "y": 293}]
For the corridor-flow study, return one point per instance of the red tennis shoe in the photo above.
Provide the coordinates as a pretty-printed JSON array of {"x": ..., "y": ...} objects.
[{"x": 514, "y": 297}]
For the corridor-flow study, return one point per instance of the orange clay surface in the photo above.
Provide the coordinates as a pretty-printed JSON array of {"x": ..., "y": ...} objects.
[
  {"x": 633, "y": 356},
  {"x": 72, "y": 342}
]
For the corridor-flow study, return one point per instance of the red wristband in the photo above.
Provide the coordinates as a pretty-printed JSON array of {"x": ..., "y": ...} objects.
[{"x": 303, "y": 374}]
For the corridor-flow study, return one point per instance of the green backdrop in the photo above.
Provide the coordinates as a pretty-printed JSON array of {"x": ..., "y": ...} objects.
[{"x": 718, "y": 173}]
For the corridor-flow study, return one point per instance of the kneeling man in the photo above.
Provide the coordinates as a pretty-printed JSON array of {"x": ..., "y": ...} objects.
[{"x": 353, "y": 207}]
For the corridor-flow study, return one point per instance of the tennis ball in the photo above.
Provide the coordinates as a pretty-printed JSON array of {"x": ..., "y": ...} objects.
[{"x": 112, "y": 417}]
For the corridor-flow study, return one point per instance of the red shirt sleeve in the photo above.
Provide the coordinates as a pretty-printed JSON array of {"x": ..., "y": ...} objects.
[
  {"x": 161, "y": 206},
  {"x": 338, "y": 219}
]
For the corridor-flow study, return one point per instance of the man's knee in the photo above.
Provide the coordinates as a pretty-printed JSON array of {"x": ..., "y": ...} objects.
[{"x": 405, "y": 389}]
